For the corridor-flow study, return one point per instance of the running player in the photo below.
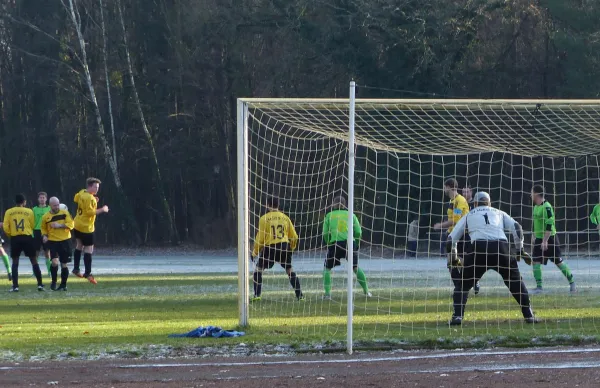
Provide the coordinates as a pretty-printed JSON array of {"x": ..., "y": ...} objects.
[
  {"x": 275, "y": 241},
  {"x": 38, "y": 212},
  {"x": 335, "y": 235},
  {"x": 18, "y": 225},
  {"x": 487, "y": 227},
  {"x": 56, "y": 230},
  {"x": 545, "y": 246},
  {"x": 87, "y": 210}
]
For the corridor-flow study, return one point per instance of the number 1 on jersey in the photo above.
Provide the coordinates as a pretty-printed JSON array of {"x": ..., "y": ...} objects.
[{"x": 487, "y": 220}]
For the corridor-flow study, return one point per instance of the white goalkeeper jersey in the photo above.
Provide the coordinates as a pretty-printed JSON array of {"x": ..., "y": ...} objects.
[{"x": 488, "y": 224}]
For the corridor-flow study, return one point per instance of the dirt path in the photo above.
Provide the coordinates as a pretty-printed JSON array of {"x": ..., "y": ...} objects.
[{"x": 532, "y": 368}]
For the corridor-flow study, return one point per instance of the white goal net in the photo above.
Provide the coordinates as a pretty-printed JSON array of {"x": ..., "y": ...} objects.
[{"x": 297, "y": 151}]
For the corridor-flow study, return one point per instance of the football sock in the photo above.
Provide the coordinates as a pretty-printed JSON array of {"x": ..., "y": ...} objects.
[
  {"x": 327, "y": 281},
  {"x": 76, "y": 259},
  {"x": 6, "y": 263},
  {"x": 15, "y": 272},
  {"x": 87, "y": 263},
  {"x": 257, "y": 283},
  {"x": 295, "y": 282},
  {"x": 54, "y": 273},
  {"x": 48, "y": 265},
  {"x": 564, "y": 268},
  {"x": 64, "y": 275},
  {"x": 537, "y": 274},
  {"x": 38, "y": 273},
  {"x": 362, "y": 280}
]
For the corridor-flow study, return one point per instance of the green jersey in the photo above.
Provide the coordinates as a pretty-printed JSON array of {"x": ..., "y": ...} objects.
[
  {"x": 543, "y": 220},
  {"x": 335, "y": 227},
  {"x": 38, "y": 213},
  {"x": 595, "y": 216}
]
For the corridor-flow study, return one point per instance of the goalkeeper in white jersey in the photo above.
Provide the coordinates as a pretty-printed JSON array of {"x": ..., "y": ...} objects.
[{"x": 487, "y": 227}]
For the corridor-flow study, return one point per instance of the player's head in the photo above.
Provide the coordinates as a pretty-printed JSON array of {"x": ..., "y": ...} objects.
[
  {"x": 481, "y": 198},
  {"x": 451, "y": 187},
  {"x": 42, "y": 198},
  {"x": 54, "y": 204},
  {"x": 467, "y": 192},
  {"x": 273, "y": 202},
  {"x": 537, "y": 194},
  {"x": 20, "y": 200},
  {"x": 339, "y": 202},
  {"x": 93, "y": 185}
]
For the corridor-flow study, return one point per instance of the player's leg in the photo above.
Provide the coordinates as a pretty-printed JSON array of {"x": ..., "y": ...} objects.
[
  {"x": 285, "y": 259},
  {"x": 555, "y": 254},
  {"x": 474, "y": 266},
  {"x": 64, "y": 254},
  {"x": 331, "y": 261},
  {"x": 537, "y": 261},
  {"x": 360, "y": 275},
  {"x": 29, "y": 250},
  {"x": 5, "y": 260},
  {"x": 47, "y": 256},
  {"x": 265, "y": 261},
  {"x": 77, "y": 254},
  {"x": 88, "y": 249},
  {"x": 508, "y": 268},
  {"x": 54, "y": 272}
]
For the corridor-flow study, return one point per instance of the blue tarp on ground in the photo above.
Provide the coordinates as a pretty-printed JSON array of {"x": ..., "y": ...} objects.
[{"x": 208, "y": 331}]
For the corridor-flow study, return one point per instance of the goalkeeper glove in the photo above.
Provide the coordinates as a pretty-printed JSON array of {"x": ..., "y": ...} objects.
[
  {"x": 525, "y": 256},
  {"x": 453, "y": 259}
]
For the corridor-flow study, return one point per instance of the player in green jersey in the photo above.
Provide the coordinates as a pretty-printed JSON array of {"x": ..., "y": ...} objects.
[
  {"x": 543, "y": 240},
  {"x": 4, "y": 258},
  {"x": 335, "y": 235},
  {"x": 38, "y": 212},
  {"x": 595, "y": 216}
]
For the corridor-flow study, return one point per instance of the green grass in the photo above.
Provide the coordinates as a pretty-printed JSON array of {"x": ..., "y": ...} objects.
[{"x": 129, "y": 315}]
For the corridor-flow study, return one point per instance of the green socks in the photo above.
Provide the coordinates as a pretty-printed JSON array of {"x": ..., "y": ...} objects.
[
  {"x": 362, "y": 280},
  {"x": 537, "y": 274},
  {"x": 564, "y": 268},
  {"x": 48, "y": 266},
  {"x": 6, "y": 263},
  {"x": 327, "y": 281}
]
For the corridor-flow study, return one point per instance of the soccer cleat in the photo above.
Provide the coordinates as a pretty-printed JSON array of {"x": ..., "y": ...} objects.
[
  {"x": 326, "y": 297},
  {"x": 369, "y": 295},
  {"x": 301, "y": 297},
  {"x": 572, "y": 288},
  {"x": 255, "y": 299},
  {"x": 538, "y": 290},
  {"x": 91, "y": 279},
  {"x": 41, "y": 288},
  {"x": 61, "y": 288},
  {"x": 476, "y": 288},
  {"x": 532, "y": 320},
  {"x": 53, "y": 286},
  {"x": 77, "y": 273},
  {"x": 455, "y": 321},
  {"x": 10, "y": 277},
  {"x": 14, "y": 289}
]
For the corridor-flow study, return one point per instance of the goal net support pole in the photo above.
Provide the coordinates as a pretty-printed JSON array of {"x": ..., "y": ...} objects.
[
  {"x": 243, "y": 212},
  {"x": 350, "y": 239}
]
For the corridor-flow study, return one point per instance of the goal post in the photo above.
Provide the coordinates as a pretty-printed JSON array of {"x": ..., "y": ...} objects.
[{"x": 389, "y": 159}]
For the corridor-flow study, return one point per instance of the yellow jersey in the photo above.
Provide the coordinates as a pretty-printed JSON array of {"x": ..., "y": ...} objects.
[
  {"x": 63, "y": 217},
  {"x": 459, "y": 207},
  {"x": 86, "y": 212},
  {"x": 18, "y": 221},
  {"x": 274, "y": 228}
]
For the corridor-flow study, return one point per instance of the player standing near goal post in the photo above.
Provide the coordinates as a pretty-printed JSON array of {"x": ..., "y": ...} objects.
[
  {"x": 18, "y": 226},
  {"x": 4, "y": 258},
  {"x": 487, "y": 227},
  {"x": 38, "y": 212},
  {"x": 335, "y": 235},
  {"x": 56, "y": 231},
  {"x": 275, "y": 241},
  {"x": 545, "y": 246},
  {"x": 85, "y": 220}
]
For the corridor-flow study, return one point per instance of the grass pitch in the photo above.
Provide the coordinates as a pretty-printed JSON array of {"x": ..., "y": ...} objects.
[{"x": 131, "y": 315}]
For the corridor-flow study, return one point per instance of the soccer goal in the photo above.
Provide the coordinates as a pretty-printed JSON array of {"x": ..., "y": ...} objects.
[{"x": 389, "y": 160}]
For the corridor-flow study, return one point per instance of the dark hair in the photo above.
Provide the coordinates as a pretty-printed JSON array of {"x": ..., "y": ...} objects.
[
  {"x": 273, "y": 202},
  {"x": 340, "y": 202},
  {"x": 538, "y": 189},
  {"x": 90, "y": 181},
  {"x": 42, "y": 193},
  {"x": 19, "y": 199},
  {"x": 452, "y": 183}
]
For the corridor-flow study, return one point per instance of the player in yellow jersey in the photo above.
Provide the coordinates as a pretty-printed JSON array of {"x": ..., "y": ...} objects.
[
  {"x": 56, "y": 228},
  {"x": 85, "y": 220},
  {"x": 275, "y": 241},
  {"x": 18, "y": 225},
  {"x": 457, "y": 209}
]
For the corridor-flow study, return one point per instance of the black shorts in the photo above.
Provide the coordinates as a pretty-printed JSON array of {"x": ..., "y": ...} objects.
[
  {"x": 22, "y": 244},
  {"x": 553, "y": 252},
  {"x": 60, "y": 250},
  {"x": 276, "y": 253},
  {"x": 338, "y": 251},
  {"x": 87, "y": 239},
  {"x": 38, "y": 241}
]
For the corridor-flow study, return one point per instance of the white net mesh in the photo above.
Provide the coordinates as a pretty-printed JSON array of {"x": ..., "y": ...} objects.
[{"x": 405, "y": 151}]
